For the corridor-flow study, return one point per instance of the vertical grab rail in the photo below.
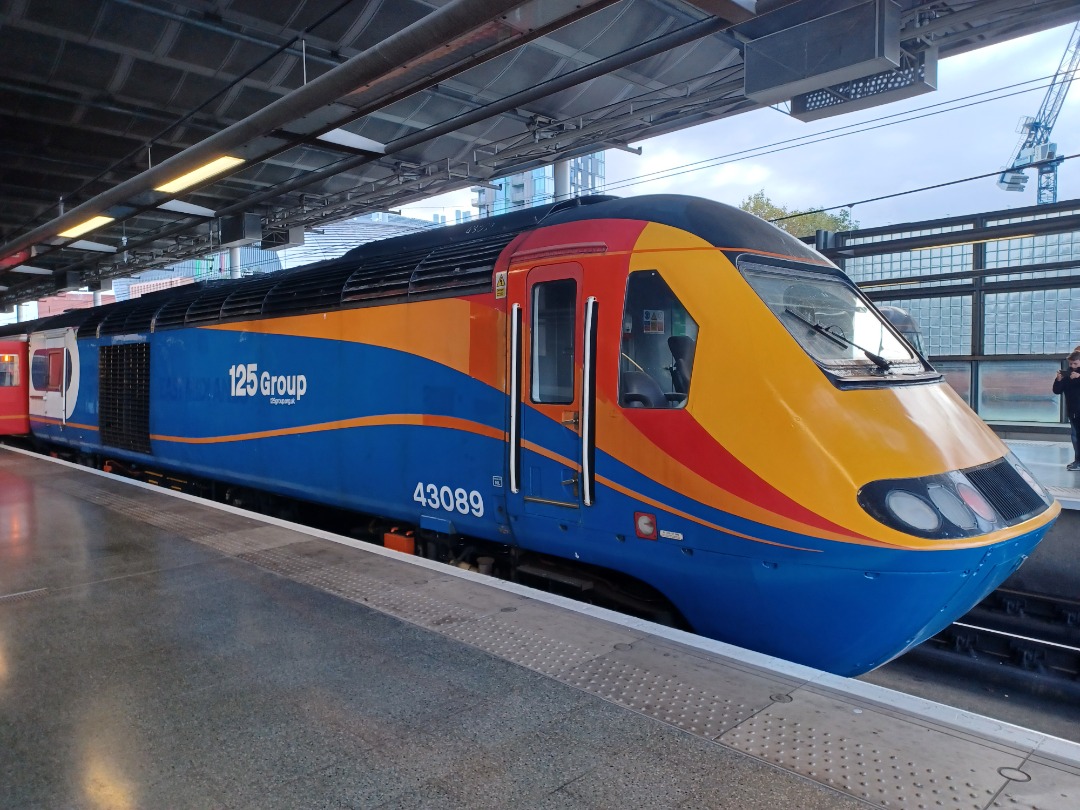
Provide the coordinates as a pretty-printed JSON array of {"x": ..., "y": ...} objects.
[
  {"x": 588, "y": 404},
  {"x": 515, "y": 398},
  {"x": 63, "y": 384}
]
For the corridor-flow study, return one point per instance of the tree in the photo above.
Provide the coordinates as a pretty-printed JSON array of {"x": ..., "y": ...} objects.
[{"x": 800, "y": 223}]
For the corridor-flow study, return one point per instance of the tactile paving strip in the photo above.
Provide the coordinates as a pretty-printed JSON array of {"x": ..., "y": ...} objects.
[
  {"x": 664, "y": 698},
  {"x": 138, "y": 509},
  {"x": 894, "y": 763},
  {"x": 286, "y": 560},
  {"x": 532, "y": 650},
  {"x": 23, "y": 596},
  {"x": 247, "y": 540},
  {"x": 404, "y": 603}
]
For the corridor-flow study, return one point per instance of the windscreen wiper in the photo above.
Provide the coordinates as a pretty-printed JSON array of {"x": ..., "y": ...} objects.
[{"x": 840, "y": 340}]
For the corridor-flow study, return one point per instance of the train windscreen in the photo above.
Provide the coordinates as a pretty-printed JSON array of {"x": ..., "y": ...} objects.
[{"x": 833, "y": 322}]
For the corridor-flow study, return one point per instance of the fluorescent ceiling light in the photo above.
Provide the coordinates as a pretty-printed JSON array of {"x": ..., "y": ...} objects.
[
  {"x": 89, "y": 225},
  {"x": 179, "y": 207},
  {"x": 30, "y": 270},
  {"x": 343, "y": 137},
  {"x": 214, "y": 167}
]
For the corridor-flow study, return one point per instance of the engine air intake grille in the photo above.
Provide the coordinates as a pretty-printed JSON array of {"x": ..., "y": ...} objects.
[
  {"x": 1006, "y": 490},
  {"x": 124, "y": 398}
]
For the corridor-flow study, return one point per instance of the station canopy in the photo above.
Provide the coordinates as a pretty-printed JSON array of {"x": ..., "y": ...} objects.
[{"x": 312, "y": 111}]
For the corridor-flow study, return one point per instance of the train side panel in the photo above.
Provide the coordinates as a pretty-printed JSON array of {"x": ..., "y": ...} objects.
[{"x": 395, "y": 410}]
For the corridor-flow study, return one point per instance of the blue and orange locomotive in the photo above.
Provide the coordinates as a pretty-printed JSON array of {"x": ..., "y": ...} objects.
[{"x": 663, "y": 399}]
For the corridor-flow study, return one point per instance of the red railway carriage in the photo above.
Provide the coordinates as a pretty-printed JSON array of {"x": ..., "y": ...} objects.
[{"x": 14, "y": 388}]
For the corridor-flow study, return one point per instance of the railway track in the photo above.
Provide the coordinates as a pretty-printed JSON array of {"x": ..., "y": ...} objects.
[{"x": 1015, "y": 639}]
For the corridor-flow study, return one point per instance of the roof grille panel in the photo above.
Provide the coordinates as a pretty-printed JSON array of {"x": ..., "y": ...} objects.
[
  {"x": 246, "y": 301},
  {"x": 309, "y": 289},
  {"x": 381, "y": 277},
  {"x": 463, "y": 267},
  {"x": 207, "y": 307}
]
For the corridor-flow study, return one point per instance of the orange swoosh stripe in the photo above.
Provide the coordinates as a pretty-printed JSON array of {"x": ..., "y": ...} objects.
[
  {"x": 420, "y": 419},
  {"x": 48, "y": 420}
]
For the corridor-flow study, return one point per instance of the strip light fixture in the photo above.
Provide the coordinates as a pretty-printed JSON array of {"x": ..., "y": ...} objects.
[
  {"x": 83, "y": 227},
  {"x": 214, "y": 167}
]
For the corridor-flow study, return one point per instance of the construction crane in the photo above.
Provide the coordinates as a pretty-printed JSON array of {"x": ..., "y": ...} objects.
[{"x": 1035, "y": 149}]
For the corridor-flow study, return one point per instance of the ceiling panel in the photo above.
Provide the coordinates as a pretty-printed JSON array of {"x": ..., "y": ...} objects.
[{"x": 99, "y": 99}]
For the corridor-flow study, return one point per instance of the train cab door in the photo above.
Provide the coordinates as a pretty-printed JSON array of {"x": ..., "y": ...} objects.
[
  {"x": 551, "y": 344},
  {"x": 51, "y": 375}
]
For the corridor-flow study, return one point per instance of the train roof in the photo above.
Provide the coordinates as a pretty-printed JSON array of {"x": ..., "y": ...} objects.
[{"x": 450, "y": 261}]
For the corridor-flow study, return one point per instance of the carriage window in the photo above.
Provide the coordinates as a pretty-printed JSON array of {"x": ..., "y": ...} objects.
[
  {"x": 9, "y": 370},
  {"x": 552, "y": 348},
  {"x": 659, "y": 341}
]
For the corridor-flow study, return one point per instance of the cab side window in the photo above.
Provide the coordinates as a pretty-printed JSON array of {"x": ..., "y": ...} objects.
[{"x": 659, "y": 342}]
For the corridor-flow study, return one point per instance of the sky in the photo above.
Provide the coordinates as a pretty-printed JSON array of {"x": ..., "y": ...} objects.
[{"x": 902, "y": 156}]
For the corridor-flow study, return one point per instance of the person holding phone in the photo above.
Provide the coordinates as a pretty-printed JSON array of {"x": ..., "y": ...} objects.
[{"x": 1067, "y": 383}]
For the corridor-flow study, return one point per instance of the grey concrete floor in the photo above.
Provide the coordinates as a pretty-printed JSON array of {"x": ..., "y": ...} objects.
[{"x": 139, "y": 669}]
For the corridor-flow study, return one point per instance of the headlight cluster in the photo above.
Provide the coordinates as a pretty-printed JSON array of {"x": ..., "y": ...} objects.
[{"x": 957, "y": 504}]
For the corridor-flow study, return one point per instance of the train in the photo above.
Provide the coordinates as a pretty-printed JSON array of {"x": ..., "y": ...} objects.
[{"x": 658, "y": 402}]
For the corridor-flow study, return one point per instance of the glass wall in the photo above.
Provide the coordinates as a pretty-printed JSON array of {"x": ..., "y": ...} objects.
[
  {"x": 945, "y": 322},
  {"x": 1018, "y": 391},
  {"x": 958, "y": 375},
  {"x": 1031, "y": 322},
  {"x": 1001, "y": 327},
  {"x": 909, "y": 264}
]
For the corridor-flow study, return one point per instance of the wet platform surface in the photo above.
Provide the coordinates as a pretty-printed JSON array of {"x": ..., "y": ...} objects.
[{"x": 159, "y": 652}]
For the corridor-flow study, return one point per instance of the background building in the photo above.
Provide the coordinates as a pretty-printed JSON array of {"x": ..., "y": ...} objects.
[{"x": 535, "y": 187}]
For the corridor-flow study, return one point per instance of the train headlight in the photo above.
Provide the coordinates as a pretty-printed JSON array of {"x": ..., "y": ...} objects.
[
  {"x": 976, "y": 501},
  {"x": 913, "y": 510},
  {"x": 940, "y": 507},
  {"x": 960, "y": 503},
  {"x": 952, "y": 508}
]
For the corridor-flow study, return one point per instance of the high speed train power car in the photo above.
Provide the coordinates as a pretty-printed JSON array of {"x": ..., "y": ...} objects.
[{"x": 663, "y": 401}]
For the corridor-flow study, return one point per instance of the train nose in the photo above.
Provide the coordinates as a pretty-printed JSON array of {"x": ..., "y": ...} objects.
[{"x": 996, "y": 565}]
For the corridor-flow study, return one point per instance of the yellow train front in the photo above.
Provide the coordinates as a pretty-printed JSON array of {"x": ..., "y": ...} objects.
[{"x": 756, "y": 441}]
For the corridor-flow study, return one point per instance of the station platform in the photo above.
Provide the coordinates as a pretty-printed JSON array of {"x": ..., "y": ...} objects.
[
  {"x": 1047, "y": 461},
  {"x": 161, "y": 651}
]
